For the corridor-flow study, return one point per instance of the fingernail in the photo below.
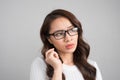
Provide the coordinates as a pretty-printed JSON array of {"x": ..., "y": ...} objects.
[{"x": 52, "y": 48}]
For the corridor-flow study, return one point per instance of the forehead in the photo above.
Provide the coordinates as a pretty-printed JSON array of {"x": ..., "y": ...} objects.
[{"x": 61, "y": 23}]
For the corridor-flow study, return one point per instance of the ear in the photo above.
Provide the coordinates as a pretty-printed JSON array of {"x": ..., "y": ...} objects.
[{"x": 50, "y": 41}]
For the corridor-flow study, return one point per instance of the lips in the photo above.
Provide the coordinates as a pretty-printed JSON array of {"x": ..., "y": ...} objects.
[{"x": 69, "y": 46}]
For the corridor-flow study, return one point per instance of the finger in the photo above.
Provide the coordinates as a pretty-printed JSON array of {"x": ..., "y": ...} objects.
[
  {"x": 49, "y": 52},
  {"x": 52, "y": 55}
]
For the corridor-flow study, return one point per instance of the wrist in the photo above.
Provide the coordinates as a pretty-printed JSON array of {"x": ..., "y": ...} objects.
[{"x": 58, "y": 69}]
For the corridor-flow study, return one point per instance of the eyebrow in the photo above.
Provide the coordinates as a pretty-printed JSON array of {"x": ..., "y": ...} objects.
[{"x": 71, "y": 26}]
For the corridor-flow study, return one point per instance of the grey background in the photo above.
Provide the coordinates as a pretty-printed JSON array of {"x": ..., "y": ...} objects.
[{"x": 20, "y": 21}]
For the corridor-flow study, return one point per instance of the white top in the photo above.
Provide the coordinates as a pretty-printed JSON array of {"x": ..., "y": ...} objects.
[{"x": 38, "y": 71}]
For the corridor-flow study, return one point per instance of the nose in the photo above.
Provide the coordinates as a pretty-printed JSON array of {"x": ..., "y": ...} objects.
[{"x": 67, "y": 37}]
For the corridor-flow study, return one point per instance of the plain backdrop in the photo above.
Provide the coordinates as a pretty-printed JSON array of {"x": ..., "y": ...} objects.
[{"x": 20, "y": 44}]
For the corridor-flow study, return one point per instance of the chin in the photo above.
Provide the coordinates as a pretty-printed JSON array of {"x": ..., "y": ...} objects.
[{"x": 70, "y": 50}]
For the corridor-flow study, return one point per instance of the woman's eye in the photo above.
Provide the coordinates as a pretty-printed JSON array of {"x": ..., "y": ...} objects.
[{"x": 59, "y": 34}]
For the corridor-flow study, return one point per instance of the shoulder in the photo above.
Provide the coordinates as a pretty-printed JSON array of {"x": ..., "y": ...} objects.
[
  {"x": 38, "y": 62},
  {"x": 93, "y": 63},
  {"x": 38, "y": 69},
  {"x": 98, "y": 72}
]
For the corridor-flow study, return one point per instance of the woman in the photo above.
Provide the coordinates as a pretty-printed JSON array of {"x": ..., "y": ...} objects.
[{"x": 65, "y": 53}]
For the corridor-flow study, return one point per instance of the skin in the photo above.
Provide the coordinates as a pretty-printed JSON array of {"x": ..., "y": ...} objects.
[{"x": 64, "y": 50}]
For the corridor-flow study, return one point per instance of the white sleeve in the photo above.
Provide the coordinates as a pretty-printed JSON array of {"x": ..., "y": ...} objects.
[
  {"x": 98, "y": 72},
  {"x": 38, "y": 70}
]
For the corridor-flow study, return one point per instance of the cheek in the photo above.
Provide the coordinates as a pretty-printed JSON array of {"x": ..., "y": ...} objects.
[
  {"x": 75, "y": 38},
  {"x": 58, "y": 44}
]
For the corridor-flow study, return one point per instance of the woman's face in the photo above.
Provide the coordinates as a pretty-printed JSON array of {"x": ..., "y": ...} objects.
[{"x": 68, "y": 43}]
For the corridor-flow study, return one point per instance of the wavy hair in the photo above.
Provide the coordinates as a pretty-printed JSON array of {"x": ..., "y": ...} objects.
[{"x": 81, "y": 53}]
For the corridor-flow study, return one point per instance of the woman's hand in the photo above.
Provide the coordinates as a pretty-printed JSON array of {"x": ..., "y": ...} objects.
[{"x": 52, "y": 58}]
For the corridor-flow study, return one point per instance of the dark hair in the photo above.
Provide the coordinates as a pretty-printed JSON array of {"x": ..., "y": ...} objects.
[{"x": 82, "y": 51}]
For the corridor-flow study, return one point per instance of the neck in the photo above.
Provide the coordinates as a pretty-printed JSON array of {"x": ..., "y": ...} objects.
[{"x": 67, "y": 58}]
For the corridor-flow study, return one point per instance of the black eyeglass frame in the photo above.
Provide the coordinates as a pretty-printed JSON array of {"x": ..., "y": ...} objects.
[{"x": 65, "y": 31}]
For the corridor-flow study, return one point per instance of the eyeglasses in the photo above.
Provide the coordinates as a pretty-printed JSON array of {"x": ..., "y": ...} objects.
[{"x": 62, "y": 33}]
